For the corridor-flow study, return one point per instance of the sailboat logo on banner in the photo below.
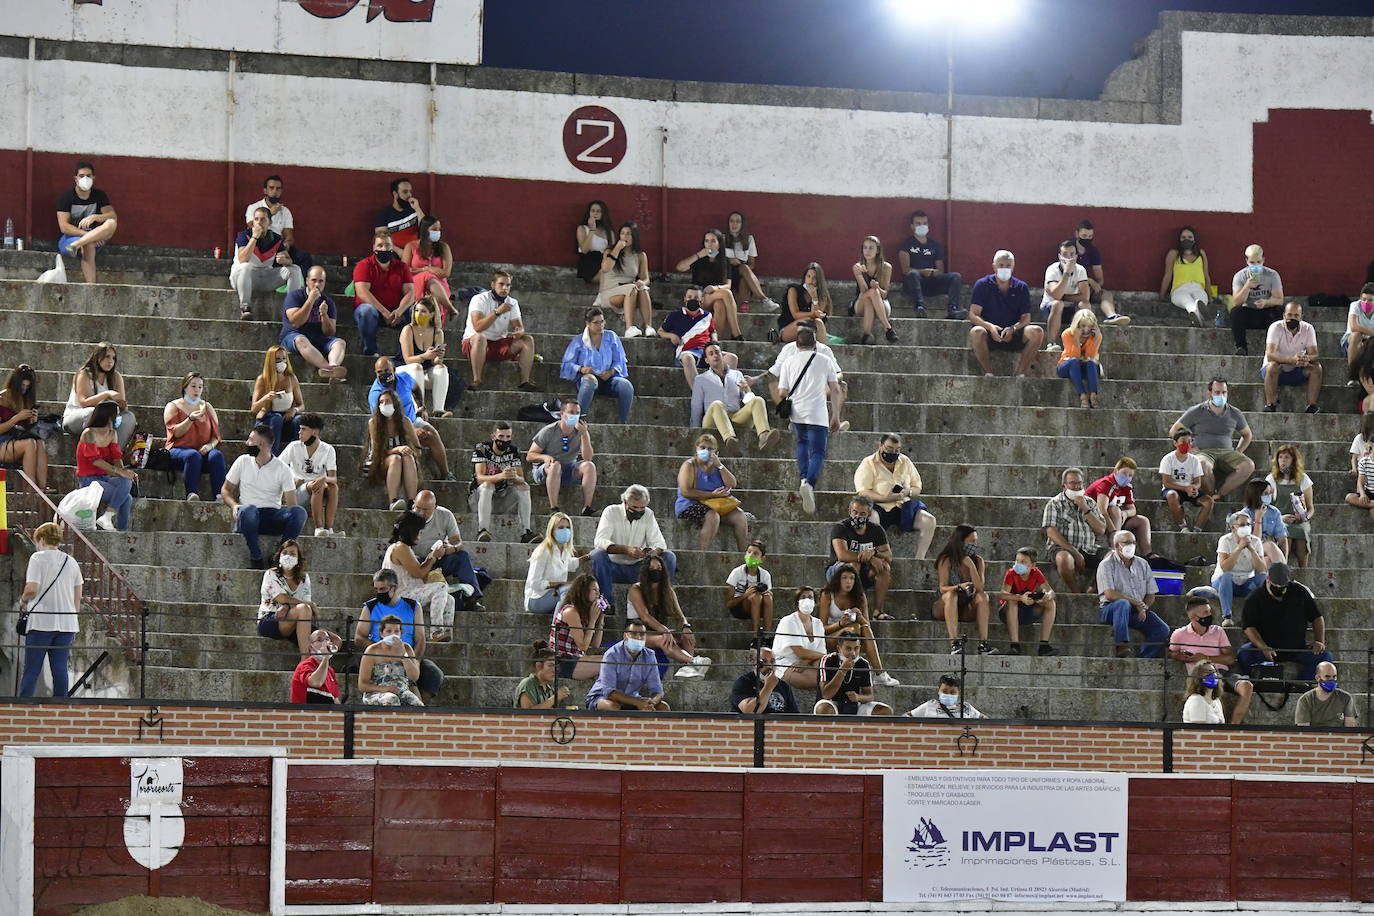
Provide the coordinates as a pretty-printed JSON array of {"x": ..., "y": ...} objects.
[{"x": 928, "y": 847}]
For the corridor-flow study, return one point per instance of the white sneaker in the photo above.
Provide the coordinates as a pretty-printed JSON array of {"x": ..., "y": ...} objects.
[
  {"x": 649, "y": 331},
  {"x": 808, "y": 497},
  {"x": 321, "y": 532},
  {"x": 1195, "y": 312},
  {"x": 1053, "y": 348},
  {"x": 687, "y": 671},
  {"x": 105, "y": 522},
  {"x": 398, "y": 504},
  {"x": 769, "y": 307},
  {"x": 336, "y": 532},
  {"x": 193, "y": 497},
  {"x": 887, "y": 680},
  {"x": 701, "y": 661},
  {"x": 844, "y": 426},
  {"x": 632, "y": 331}
]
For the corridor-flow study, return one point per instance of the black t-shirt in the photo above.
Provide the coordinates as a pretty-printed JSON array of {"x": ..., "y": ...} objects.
[
  {"x": 1282, "y": 622},
  {"x": 492, "y": 461},
  {"x": 859, "y": 679},
  {"x": 711, "y": 271},
  {"x": 748, "y": 684},
  {"x": 397, "y": 220},
  {"x": 872, "y": 536},
  {"x": 923, "y": 255},
  {"x": 79, "y": 209}
]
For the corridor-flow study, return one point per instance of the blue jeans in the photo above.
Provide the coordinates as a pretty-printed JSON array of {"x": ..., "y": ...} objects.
[
  {"x": 1227, "y": 589},
  {"x": 290, "y": 428},
  {"x": 608, "y": 572},
  {"x": 918, "y": 287},
  {"x": 1307, "y": 660},
  {"x": 368, "y": 319},
  {"x": 812, "y": 440},
  {"x": 191, "y": 461},
  {"x": 117, "y": 495},
  {"x": 589, "y": 386},
  {"x": 53, "y": 646},
  {"x": 459, "y": 566},
  {"x": 1082, "y": 372},
  {"x": 1121, "y": 616},
  {"x": 548, "y": 602},
  {"x": 286, "y": 521}
]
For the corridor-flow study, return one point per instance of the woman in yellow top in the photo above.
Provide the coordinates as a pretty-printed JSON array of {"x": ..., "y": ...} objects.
[
  {"x": 1186, "y": 280},
  {"x": 1079, "y": 363}
]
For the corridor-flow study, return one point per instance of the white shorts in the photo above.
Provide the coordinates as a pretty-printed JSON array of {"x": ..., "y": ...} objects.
[{"x": 865, "y": 709}]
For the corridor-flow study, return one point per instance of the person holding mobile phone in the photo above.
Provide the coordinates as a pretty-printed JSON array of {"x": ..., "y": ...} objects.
[
  {"x": 891, "y": 481},
  {"x": 748, "y": 594}
]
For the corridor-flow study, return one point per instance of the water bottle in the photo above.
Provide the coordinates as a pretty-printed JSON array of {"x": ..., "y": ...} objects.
[
  {"x": 9, "y": 233},
  {"x": 1299, "y": 507}
]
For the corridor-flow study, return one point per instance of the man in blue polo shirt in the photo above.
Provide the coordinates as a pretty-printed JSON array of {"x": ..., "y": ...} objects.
[
  {"x": 385, "y": 601},
  {"x": 923, "y": 268},
  {"x": 1000, "y": 314}
]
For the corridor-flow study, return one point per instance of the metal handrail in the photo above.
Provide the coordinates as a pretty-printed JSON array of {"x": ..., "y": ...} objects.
[{"x": 107, "y": 592}]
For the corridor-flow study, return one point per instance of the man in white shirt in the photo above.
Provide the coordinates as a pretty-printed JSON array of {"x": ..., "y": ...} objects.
[
  {"x": 1066, "y": 287},
  {"x": 948, "y": 704},
  {"x": 1290, "y": 358},
  {"x": 806, "y": 379},
  {"x": 627, "y": 534},
  {"x": 775, "y": 371},
  {"x": 1181, "y": 480},
  {"x": 721, "y": 398},
  {"x": 282, "y": 222},
  {"x": 315, "y": 467},
  {"x": 261, "y": 492},
  {"x": 494, "y": 321}
]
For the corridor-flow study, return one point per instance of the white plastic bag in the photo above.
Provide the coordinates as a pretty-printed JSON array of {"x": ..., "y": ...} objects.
[
  {"x": 57, "y": 275},
  {"x": 79, "y": 507}
]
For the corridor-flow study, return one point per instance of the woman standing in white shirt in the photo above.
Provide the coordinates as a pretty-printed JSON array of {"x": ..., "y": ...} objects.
[
  {"x": 799, "y": 644},
  {"x": 52, "y": 593},
  {"x": 553, "y": 564},
  {"x": 1203, "y": 706}
]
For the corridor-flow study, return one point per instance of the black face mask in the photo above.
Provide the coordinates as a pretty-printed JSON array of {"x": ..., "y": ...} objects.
[
  {"x": 1292, "y": 323},
  {"x": 654, "y": 575},
  {"x": 634, "y": 515},
  {"x": 388, "y": 378},
  {"x": 889, "y": 457},
  {"x": 273, "y": 200},
  {"x": 256, "y": 450},
  {"x": 1187, "y": 245},
  {"x": 384, "y": 597},
  {"x": 691, "y": 306},
  {"x": 383, "y": 257},
  {"x": 500, "y": 446},
  {"x": 1205, "y": 621},
  {"x": 499, "y": 297},
  {"x": 311, "y": 441},
  {"x": 858, "y": 521}
]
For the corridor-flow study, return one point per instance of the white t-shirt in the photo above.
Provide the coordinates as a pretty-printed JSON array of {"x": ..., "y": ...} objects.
[
  {"x": 280, "y": 220},
  {"x": 484, "y": 303},
  {"x": 261, "y": 485},
  {"x": 743, "y": 254},
  {"x": 741, "y": 578},
  {"x": 808, "y": 392},
  {"x": 273, "y": 585},
  {"x": 790, "y": 348},
  {"x": 1357, "y": 444},
  {"x": 1199, "y": 710},
  {"x": 1055, "y": 272},
  {"x": 1182, "y": 472},
  {"x": 1244, "y": 567},
  {"x": 790, "y": 634},
  {"x": 556, "y": 564},
  {"x": 304, "y": 466},
  {"x": 1361, "y": 319},
  {"x": 934, "y": 709},
  {"x": 56, "y": 613}
]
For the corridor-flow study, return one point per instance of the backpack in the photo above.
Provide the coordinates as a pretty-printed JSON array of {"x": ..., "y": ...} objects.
[
  {"x": 1328, "y": 300},
  {"x": 546, "y": 412}
]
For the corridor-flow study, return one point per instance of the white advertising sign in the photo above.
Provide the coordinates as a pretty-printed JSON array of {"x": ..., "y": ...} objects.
[
  {"x": 1003, "y": 835},
  {"x": 433, "y": 31},
  {"x": 153, "y": 825}
]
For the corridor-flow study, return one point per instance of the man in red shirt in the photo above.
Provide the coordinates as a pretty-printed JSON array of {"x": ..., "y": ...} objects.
[
  {"x": 314, "y": 680},
  {"x": 1115, "y": 498},
  {"x": 383, "y": 291}
]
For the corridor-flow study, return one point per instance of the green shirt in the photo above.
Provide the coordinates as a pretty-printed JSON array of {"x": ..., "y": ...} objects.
[
  {"x": 1328, "y": 713},
  {"x": 531, "y": 687}
]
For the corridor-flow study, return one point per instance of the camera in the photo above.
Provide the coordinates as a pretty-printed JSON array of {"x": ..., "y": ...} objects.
[
  {"x": 1038, "y": 595},
  {"x": 761, "y": 587}
]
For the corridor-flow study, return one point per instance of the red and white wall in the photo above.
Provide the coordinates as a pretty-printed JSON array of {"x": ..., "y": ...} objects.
[{"x": 1269, "y": 147}]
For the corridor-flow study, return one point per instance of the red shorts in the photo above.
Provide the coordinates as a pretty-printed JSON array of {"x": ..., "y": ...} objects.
[{"x": 497, "y": 350}]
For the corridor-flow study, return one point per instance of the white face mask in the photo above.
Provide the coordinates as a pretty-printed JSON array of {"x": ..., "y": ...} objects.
[
  {"x": 1073, "y": 494},
  {"x": 922, "y": 231},
  {"x": 392, "y": 639},
  {"x": 1243, "y": 532},
  {"x": 806, "y": 605},
  {"x": 287, "y": 561},
  {"x": 387, "y": 409},
  {"x": 1004, "y": 274},
  {"x": 281, "y": 367},
  {"x": 85, "y": 182},
  {"x": 1127, "y": 551}
]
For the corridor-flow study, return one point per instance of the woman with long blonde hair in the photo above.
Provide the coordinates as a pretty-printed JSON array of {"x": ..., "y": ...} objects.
[
  {"x": 1080, "y": 362},
  {"x": 393, "y": 451},
  {"x": 277, "y": 399},
  {"x": 552, "y": 566}
]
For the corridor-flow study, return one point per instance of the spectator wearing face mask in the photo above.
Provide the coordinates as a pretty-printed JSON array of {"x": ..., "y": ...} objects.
[
  {"x": 1187, "y": 282},
  {"x": 387, "y": 603},
  {"x": 1290, "y": 358},
  {"x": 1201, "y": 641},
  {"x": 1275, "y": 620},
  {"x": 315, "y": 465},
  {"x": 430, "y": 260},
  {"x": 561, "y": 455},
  {"x": 283, "y": 223},
  {"x": 689, "y": 330},
  {"x": 402, "y": 388},
  {"x": 594, "y": 361},
  {"x": 922, "y": 262},
  {"x": 629, "y": 676},
  {"x": 847, "y": 683},
  {"x": 261, "y": 492},
  {"x": 1066, "y": 288},
  {"x": 748, "y": 590},
  {"x": 705, "y": 489},
  {"x": 1073, "y": 524},
  {"x": 498, "y": 481},
  {"x": 1256, "y": 297},
  {"x": 1292, "y": 490},
  {"x": 857, "y": 542},
  {"x": 495, "y": 332},
  {"x": 287, "y": 610},
  {"x": 412, "y": 567},
  {"x": 891, "y": 482},
  {"x": 959, "y": 576},
  {"x": 422, "y": 356},
  {"x": 710, "y": 268},
  {"x": 653, "y": 602},
  {"x": 1267, "y": 519},
  {"x": 948, "y": 703},
  {"x": 192, "y": 436},
  {"x": 314, "y": 681},
  {"x": 1126, "y": 590},
  {"x": 1327, "y": 705},
  {"x": 552, "y": 567},
  {"x": 277, "y": 400},
  {"x": 799, "y": 643},
  {"x": 999, "y": 311},
  {"x": 1241, "y": 564},
  {"x": 389, "y": 671},
  {"x": 1214, "y": 423},
  {"x": 1090, "y": 259},
  {"x": 761, "y": 689},
  {"x": 1203, "y": 706},
  {"x": 85, "y": 220},
  {"x": 1359, "y": 328},
  {"x": 1181, "y": 480},
  {"x": 392, "y": 453},
  {"x": 261, "y": 261},
  {"x": 626, "y": 536},
  {"x": 383, "y": 290},
  {"x": 1025, "y": 598},
  {"x": 1115, "y": 497}
]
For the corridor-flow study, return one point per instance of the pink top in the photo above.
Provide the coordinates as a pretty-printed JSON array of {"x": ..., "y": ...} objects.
[
  {"x": 1289, "y": 344},
  {"x": 1212, "y": 643}
]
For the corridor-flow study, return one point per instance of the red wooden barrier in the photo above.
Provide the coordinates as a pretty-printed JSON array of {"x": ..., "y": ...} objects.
[{"x": 1179, "y": 840}]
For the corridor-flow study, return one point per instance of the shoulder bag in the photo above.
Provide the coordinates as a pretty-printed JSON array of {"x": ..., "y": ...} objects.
[
  {"x": 785, "y": 405},
  {"x": 22, "y": 626}
]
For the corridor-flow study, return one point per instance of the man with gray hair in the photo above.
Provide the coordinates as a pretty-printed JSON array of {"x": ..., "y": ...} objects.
[
  {"x": 1073, "y": 524},
  {"x": 627, "y": 534},
  {"x": 1126, "y": 587},
  {"x": 1326, "y": 705},
  {"x": 1000, "y": 312}
]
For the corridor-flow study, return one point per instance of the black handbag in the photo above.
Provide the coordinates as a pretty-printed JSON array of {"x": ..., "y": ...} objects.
[
  {"x": 22, "y": 625},
  {"x": 785, "y": 405}
]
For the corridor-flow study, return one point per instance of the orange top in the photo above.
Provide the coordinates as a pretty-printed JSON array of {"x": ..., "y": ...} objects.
[
  {"x": 1071, "y": 350},
  {"x": 202, "y": 431}
]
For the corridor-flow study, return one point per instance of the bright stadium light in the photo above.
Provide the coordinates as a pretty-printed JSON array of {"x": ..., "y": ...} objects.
[{"x": 910, "y": 13}]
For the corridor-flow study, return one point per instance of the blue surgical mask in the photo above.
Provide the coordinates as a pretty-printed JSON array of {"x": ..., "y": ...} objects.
[
  {"x": 434, "y": 235},
  {"x": 1211, "y": 681},
  {"x": 1218, "y": 400},
  {"x": 1266, "y": 498},
  {"x": 1021, "y": 569},
  {"x": 190, "y": 400},
  {"x": 1327, "y": 686},
  {"x": 1256, "y": 268},
  {"x": 948, "y": 699},
  {"x": 119, "y": 418},
  {"x": 1122, "y": 480},
  {"x": 703, "y": 454},
  {"x": 562, "y": 535},
  {"x": 635, "y": 646}
]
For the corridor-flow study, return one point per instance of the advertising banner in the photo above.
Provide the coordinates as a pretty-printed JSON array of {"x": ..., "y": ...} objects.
[
  {"x": 433, "y": 31},
  {"x": 1003, "y": 835}
]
